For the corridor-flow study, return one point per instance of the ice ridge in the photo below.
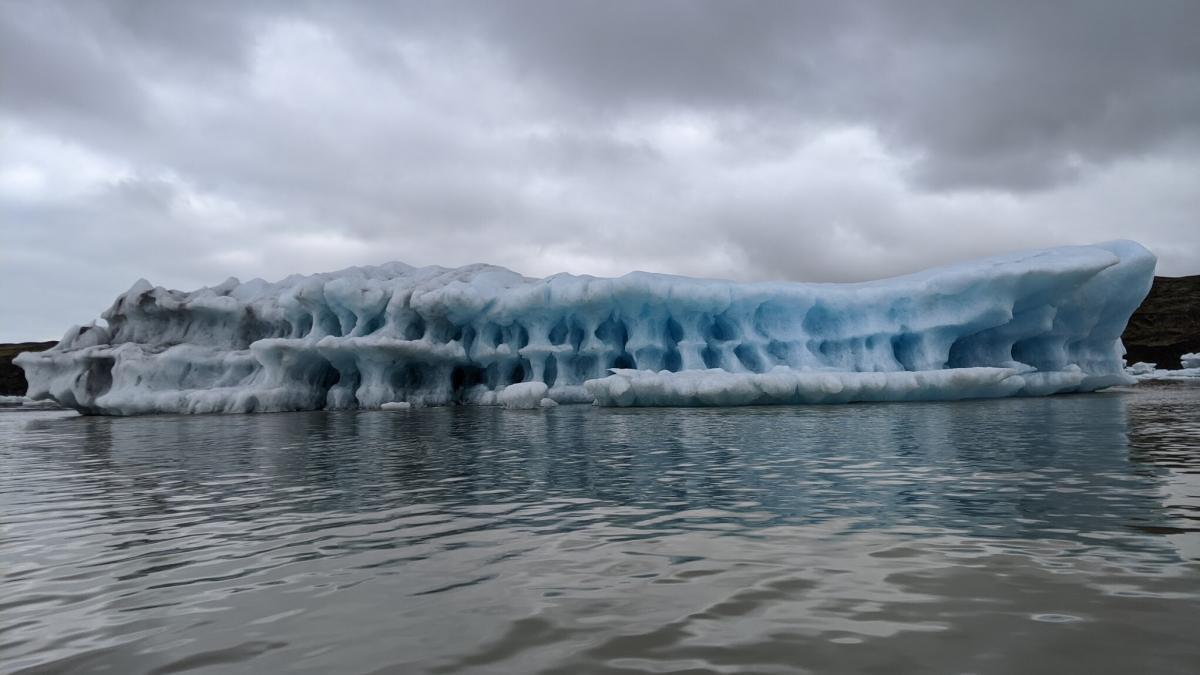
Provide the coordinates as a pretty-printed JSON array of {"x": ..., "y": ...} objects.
[{"x": 1032, "y": 323}]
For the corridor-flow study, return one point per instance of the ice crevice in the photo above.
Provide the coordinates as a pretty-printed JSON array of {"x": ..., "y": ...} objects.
[{"x": 1033, "y": 323}]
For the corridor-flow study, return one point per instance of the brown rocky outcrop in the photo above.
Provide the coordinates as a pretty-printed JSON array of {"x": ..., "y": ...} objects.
[{"x": 1167, "y": 324}]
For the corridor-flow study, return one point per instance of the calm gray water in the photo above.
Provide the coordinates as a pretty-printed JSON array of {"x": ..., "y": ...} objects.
[{"x": 1046, "y": 535}]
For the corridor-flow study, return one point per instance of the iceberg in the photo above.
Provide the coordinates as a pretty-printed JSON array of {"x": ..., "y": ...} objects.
[
  {"x": 1141, "y": 368},
  {"x": 1025, "y": 324},
  {"x": 25, "y": 403},
  {"x": 1150, "y": 372}
]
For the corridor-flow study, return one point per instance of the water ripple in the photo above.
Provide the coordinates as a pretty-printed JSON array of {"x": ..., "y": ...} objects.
[{"x": 1041, "y": 535}]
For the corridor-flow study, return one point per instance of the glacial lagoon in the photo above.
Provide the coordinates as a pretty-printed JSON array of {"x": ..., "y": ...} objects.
[{"x": 1033, "y": 535}]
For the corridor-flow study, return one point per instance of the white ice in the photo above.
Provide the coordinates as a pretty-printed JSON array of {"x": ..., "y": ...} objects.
[
  {"x": 1166, "y": 375},
  {"x": 1150, "y": 372},
  {"x": 523, "y": 395},
  {"x": 785, "y": 385},
  {"x": 1030, "y": 323},
  {"x": 25, "y": 402},
  {"x": 1141, "y": 368}
]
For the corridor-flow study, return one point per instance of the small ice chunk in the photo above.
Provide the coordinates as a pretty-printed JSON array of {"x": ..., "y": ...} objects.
[
  {"x": 1190, "y": 360},
  {"x": 1141, "y": 368},
  {"x": 523, "y": 395},
  {"x": 548, "y": 403},
  {"x": 396, "y": 405}
]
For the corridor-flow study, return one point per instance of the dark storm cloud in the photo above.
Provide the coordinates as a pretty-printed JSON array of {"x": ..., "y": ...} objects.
[
  {"x": 185, "y": 141},
  {"x": 989, "y": 94}
]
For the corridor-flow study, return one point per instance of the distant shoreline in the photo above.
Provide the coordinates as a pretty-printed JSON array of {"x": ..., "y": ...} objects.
[
  {"x": 12, "y": 378},
  {"x": 1167, "y": 323}
]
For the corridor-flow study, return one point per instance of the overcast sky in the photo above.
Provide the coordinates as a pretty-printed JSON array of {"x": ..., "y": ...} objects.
[{"x": 185, "y": 142}]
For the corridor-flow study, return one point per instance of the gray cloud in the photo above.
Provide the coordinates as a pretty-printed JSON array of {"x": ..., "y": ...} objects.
[{"x": 814, "y": 141}]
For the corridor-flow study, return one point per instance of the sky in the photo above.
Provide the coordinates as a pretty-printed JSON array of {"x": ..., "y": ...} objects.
[{"x": 185, "y": 142}]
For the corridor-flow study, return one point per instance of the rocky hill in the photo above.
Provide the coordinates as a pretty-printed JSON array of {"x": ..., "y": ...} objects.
[
  {"x": 1167, "y": 324},
  {"x": 12, "y": 378}
]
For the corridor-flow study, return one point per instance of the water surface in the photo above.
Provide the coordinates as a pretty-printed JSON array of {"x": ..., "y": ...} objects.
[{"x": 1046, "y": 535}]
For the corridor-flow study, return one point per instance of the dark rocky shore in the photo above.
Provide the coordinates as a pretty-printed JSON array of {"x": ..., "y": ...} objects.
[
  {"x": 12, "y": 378},
  {"x": 1164, "y": 327},
  {"x": 1167, "y": 324}
]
